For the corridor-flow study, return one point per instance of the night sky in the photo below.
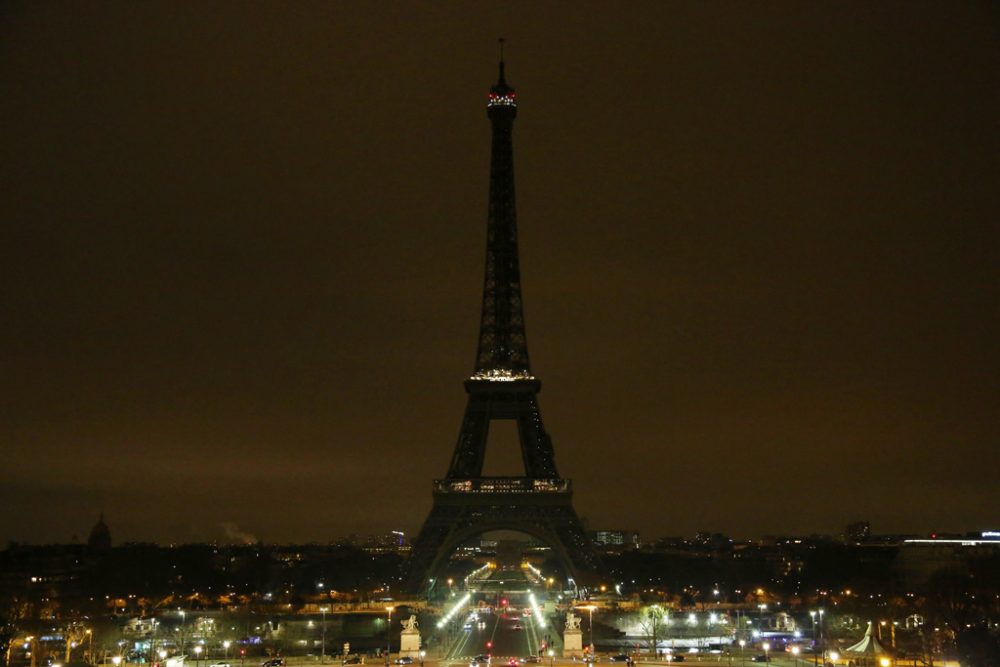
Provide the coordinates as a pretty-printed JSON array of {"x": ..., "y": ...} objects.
[{"x": 241, "y": 255}]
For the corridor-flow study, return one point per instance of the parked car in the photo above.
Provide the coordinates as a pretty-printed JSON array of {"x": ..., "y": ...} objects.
[
  {"x": 405, "y": 660},
  {"x": 531, "y": 658},
  {"x": 273, "y": 662},
  {"x": 621, "y": 657},
  {"x": 512, "y": 662},
  {"x": 220, "y": 664},
  {"x": 759, "y": 658},
  {"x": 671, "y": 657},
  {"x": 352, "y": 660}
]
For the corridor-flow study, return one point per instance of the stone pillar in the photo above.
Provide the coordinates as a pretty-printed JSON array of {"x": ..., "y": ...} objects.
[
  {"x": 409, "y": 643},
  {"x": 573, "y": 643}
]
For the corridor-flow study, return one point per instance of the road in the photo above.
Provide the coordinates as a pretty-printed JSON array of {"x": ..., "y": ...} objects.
[{"x": 503, "y": 635}]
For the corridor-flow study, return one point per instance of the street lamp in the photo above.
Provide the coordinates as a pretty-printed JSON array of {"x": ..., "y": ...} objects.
[
  {"x": 812, "y": 615},
  {"x": 388, "y": 630},
  {"x": 226, "y": 644},
  {"x": 767, "y": 654},
  {"x": 197, "y": 655},
  {"x": 591, "y": 609},
  {"x": 552, "y": 657},
  {"x": 323, "y": 634},
  {"x": 743, "y": 643},
  {"x": 822, "y": 641},
  {"x": 183, "y": 630}
]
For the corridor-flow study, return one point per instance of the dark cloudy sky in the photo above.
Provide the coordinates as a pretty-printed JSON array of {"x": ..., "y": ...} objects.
[{"x": 242, "y": 250}]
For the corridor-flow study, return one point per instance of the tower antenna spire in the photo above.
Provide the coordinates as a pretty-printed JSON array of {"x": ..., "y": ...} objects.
[{"x": 501, "y": 41}]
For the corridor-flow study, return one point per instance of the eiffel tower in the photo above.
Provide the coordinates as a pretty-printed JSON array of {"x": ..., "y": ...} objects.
[{"x": 502, "y": 386}]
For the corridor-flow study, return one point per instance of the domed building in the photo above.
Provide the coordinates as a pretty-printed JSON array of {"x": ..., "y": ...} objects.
[{"x": 100, "y": 536}]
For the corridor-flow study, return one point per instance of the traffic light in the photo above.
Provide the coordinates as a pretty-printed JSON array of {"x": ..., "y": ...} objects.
[
  {"x": 504, "y": 602},
  {"x": 489, "y": 644}
]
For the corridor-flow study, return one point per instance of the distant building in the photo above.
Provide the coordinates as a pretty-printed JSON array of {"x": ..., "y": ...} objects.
[
  {"x": 858, "y": 532},
  {"x": 919, "y": 560},
  {"x": 393, "y": 541},
  {"x": 100, "y": 536},
  {"x": 621, "y": 539}
]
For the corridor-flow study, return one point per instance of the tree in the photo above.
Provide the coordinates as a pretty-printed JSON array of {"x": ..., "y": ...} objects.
[{"x": 653, "y": 621}]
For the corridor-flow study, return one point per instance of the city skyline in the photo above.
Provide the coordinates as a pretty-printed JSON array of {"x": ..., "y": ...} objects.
[{"x": 244, "y": 260}]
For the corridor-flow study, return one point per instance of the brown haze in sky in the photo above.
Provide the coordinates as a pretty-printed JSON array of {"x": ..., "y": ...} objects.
[{"x": 242, "y": 252}]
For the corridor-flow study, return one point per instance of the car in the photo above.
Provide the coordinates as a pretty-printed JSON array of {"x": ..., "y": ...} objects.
[
  {"x": 351, "y": 660},
  {"x": 675, "y": 658},
  {"x": 483, "y": 658},
  {"x": 220, "y": 664},
  {"x": 405, "y": 660},
  {"x": 467, "y": 626},
  {"x": 759, "y": 658},
  {"x": 512, "y": 662},
  {"x": 531, "y": 658},
  {"x": 517, "y": 627},
  {"x": 273, "y": 662},
  {"x": 621, "y": 657}
]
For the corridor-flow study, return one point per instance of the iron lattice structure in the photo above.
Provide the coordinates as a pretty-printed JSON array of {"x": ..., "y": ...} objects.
[{"x": 502, "y": 386}]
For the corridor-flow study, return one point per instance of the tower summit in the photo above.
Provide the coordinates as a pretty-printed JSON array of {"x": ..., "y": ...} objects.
[{"x": 502, "y": 386}]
